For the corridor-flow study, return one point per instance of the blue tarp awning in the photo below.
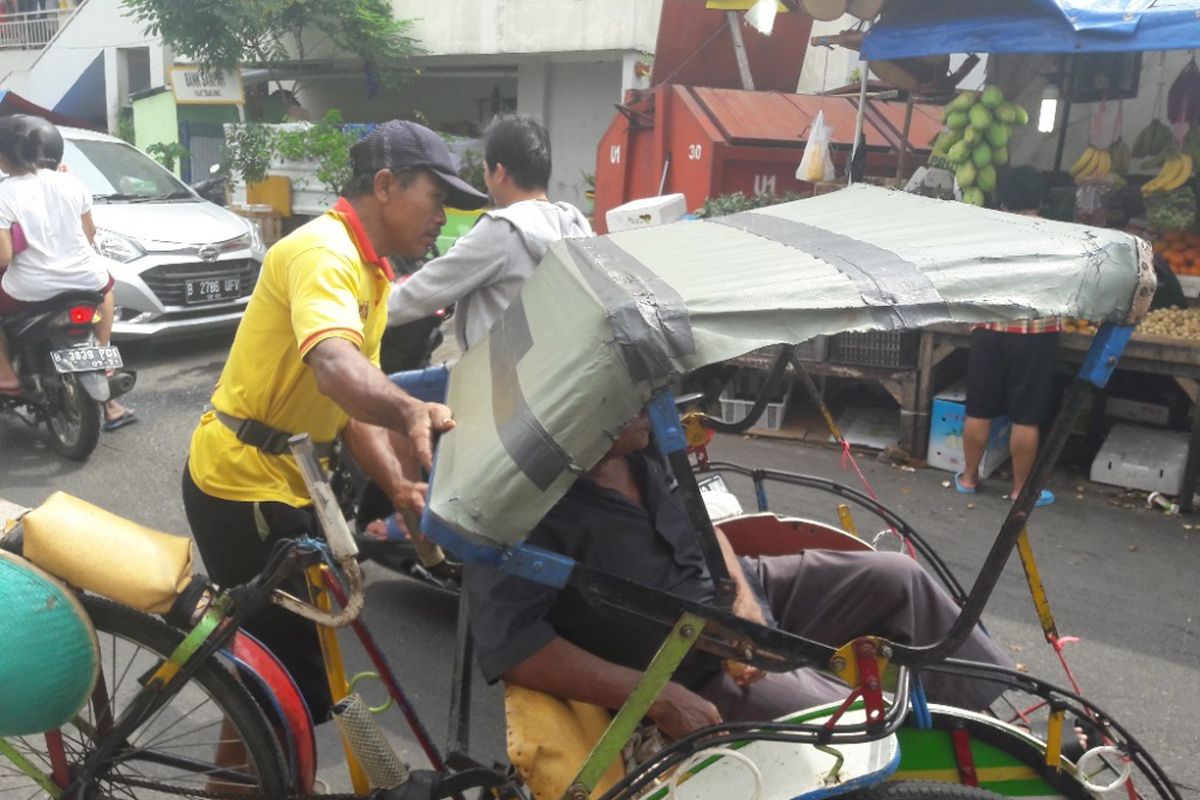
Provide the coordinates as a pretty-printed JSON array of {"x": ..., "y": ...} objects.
[{"x": 912, "y": 28}]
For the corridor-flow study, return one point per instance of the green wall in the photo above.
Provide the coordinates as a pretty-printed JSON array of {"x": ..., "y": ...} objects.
[{"x": 155, "y": 121}]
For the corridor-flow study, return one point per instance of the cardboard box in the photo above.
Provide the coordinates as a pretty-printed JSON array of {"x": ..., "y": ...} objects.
[
  {"x": 646, "y": 212},
  {"x": 1148, "y": 459},
  {"x": 1137, "y": 411},
  {"x": 947, "y": 419}
]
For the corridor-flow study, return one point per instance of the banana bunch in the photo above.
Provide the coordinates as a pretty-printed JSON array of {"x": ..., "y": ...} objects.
[
  {"x": 1175, "y": 173},
  {"x": 1191, "y": 144},
  {"x": 1121, "y": 155},
  {"x": 1154, "y": 139},
  {"x": 1093, "y": 164}
]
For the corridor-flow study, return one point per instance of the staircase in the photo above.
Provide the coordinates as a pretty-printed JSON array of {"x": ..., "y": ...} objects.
[{"x": 82, "y": 61}]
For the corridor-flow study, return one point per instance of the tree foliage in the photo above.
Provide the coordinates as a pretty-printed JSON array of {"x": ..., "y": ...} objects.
[{"x": 222, "y": 34}]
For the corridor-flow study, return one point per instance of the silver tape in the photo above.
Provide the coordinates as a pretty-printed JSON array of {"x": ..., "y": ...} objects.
[{"x": 895, "y": 291}]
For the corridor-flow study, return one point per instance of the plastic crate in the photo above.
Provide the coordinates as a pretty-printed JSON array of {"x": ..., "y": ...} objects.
[
  {"x": 815, "y": 349},
  {"x": 738, "y": 399},
  {"x": 875, "y": 348}
]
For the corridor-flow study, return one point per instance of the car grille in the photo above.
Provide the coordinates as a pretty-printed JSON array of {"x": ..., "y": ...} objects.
[{"x": 168, "y": 281}]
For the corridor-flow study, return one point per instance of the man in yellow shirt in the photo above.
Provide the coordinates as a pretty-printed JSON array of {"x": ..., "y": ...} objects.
[{"x": 306, "y": 360}]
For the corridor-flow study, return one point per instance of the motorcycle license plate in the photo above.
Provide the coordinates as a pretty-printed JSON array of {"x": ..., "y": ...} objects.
[
  {"x": 86, "y": 359},
  {"x": 211, "y": 290}
]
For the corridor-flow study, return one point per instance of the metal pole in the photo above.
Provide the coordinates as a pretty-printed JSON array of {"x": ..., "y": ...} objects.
[
  {"x": 864, "y": 68},
  {"x": 902, "y": 161},
  {"x": 739, "y": 50}
]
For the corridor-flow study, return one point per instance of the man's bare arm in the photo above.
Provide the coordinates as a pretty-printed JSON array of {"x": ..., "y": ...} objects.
[
  {"x": 345, "y": 376},
  {"x": 372, "y": 450},
  {"x": 745, "y": 605},
  {"x": 564, "y": 670}
]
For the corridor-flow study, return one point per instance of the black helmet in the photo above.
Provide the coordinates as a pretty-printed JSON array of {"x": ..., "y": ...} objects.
[{"x": 50, "y": 154}]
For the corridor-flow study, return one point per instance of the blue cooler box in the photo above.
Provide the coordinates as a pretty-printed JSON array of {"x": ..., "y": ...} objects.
[{"x": 946, "y": 421}]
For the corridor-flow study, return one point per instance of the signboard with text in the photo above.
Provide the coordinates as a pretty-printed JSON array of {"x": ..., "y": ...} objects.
[{"x": 194, "y": 85}]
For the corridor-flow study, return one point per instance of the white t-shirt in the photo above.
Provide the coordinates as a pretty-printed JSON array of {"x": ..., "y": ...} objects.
[{"x": 49, "y": 206}]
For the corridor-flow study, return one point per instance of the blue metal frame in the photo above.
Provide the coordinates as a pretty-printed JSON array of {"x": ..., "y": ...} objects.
[{"x": 1102, "y": 357}]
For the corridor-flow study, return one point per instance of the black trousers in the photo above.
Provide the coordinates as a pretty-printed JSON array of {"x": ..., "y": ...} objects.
[{"x": 234, "y": 540}]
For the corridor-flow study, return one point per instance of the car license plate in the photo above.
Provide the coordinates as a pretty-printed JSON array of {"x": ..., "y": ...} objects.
[
  {"x": 210, "y": 290},
  {"x": 86, "y": 359}
]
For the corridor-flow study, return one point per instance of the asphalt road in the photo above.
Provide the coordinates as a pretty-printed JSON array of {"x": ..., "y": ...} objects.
[{"x": 1122, "y": 580}]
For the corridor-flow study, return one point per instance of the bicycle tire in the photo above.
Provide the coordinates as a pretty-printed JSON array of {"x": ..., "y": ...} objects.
[
  {"x": 131, "y": 644},
  {"x": 922, "y": 790}
]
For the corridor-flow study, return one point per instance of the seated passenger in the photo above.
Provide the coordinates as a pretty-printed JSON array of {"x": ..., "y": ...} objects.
[{"x": 621, "y": 517}]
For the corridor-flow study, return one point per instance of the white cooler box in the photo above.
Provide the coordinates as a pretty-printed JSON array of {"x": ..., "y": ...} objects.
[
  {"x": 947, "y": 418},
  {"x": 1148, "y": 459}
]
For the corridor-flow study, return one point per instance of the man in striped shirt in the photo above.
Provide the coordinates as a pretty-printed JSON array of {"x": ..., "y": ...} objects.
[{"x": 1011, "y": 368}]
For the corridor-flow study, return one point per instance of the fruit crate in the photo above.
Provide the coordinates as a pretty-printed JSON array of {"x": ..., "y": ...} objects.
[
  {"x": 876, "y": 349},
  {"x": 814, "y": 350}
]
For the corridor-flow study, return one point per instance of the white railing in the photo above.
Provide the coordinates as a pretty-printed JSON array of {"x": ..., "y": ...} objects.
[{"x": 31, "y": 30}]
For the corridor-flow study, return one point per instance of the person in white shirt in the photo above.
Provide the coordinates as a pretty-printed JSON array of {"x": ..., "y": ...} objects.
[{"x": 53, "y": 210}]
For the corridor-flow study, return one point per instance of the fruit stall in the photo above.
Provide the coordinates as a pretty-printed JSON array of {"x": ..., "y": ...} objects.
[{"x": 1131, "y": 151}]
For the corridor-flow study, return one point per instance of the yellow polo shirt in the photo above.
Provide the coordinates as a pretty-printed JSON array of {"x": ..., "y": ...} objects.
[{"x": 322, "y": 281}]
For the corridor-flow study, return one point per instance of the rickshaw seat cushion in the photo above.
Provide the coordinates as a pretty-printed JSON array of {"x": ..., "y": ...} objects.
[
  {"x": 50, "y": 657},
  {"x": 107, "y": 555},
  {"x": 549, "y": 739},
  {"x": 755, "y": 535}
]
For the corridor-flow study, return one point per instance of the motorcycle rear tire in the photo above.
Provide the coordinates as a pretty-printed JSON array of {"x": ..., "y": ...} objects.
[{"x": 73, "y": 418}]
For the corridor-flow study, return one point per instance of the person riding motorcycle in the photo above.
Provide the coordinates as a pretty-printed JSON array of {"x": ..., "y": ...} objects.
[{"x": 46, "y": 233}]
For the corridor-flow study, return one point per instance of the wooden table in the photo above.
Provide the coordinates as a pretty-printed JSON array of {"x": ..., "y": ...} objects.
[{"x": 1175, "y": 358}]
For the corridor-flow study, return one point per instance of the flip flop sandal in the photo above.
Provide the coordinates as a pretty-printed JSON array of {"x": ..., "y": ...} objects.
[
  {"x": 1046, "y": 498},
  {"x": 128, "y": 418},
  {"x": 958, "y": 485}
]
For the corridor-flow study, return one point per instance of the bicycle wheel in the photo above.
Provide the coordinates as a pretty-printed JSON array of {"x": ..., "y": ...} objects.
[
  {"x": 178, "y": 746},
  {"x": 922, "y": 790}
]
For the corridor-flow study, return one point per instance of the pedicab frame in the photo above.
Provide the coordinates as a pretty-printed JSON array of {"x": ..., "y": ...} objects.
[{"x": 607, "y": 325}]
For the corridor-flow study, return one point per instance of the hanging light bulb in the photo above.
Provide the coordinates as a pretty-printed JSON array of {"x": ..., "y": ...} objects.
[{"x": 1048, "y": 115}]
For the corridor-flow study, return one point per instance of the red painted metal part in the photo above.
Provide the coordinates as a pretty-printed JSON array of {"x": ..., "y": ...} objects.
[
  {"x": 765, "y": 534},
  {"x": 869, "y": 679},
  {"x": 963, "y": 757},
  {"x": 60, "y": 769},
  {"x": 389, "y": 678},
  {"x": 299, "y": 722}
]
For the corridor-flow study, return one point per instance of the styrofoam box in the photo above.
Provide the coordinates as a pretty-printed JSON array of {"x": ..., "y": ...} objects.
[
  {"x": 1137, "y": 411},
  {"x": 771, "y": 419},
  {"x": 1148, "y": 459},
  {"x": 647, "y": 212},
  {"x": 947, "y": 419}
]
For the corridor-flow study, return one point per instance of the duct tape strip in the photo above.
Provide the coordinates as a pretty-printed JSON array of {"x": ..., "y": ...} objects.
[
  {"x": 649, "y": 320},
  {"x": 895, "y": 291},
  {"x": 528, "y": 443}
]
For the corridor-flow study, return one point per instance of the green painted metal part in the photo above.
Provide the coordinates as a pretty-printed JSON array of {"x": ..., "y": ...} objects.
[
  {"x": 213, "y": 617},
  {"x": 925, "y": 754},
  {"x": 658, "y": 673},
  {"x": 27, "y": 767}
]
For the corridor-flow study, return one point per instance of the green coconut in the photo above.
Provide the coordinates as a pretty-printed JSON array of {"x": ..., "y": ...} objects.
[
  {"x": 997, "y": 134},
  {"x": 991, "y": 96},
  {"x": 957, "y": 120},
  {"x": 985, "y": 179},
  {"x": 965, "y": 175},
  {"x": 1006, "y": 112},
  {"x": 958, "y": 153},
  {"x": 979, "y": 117},
  {"x": 981, "y": 155},
  {"x": 973, "y": 196}
]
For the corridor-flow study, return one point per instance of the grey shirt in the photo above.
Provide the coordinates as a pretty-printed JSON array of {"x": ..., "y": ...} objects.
[{"x": 485, "y": 269}]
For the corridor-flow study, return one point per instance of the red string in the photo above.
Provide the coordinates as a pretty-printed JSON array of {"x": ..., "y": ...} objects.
[{"x": 848, "y": 455}]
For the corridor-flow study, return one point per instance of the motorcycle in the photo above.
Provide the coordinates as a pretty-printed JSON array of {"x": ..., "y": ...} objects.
[
  {"x": 214, "y": 187},
  {"x": 63, "y": 371}
]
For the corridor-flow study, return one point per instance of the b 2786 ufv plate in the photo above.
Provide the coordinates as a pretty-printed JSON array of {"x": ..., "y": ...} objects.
[{"x": 86, "y": 359}]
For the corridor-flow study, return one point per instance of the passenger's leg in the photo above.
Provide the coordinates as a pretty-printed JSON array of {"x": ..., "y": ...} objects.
[
  {"x": 9, "y": 382},
  {"x": 833, "y": 597}
]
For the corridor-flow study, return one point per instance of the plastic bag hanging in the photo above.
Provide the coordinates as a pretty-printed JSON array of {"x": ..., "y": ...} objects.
[{"x": 816, "y": 165}]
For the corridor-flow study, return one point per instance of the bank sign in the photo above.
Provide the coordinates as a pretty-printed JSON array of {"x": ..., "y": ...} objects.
[{"x": 194, "y": 85}]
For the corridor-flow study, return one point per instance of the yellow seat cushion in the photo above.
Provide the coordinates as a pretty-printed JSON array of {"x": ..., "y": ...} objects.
[
  {"x": 549, "y": 739},
  {"x": 107, "y": 555}
]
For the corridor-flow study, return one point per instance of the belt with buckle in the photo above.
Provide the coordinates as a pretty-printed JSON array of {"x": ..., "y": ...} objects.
[{"x": 271, "y": 441}]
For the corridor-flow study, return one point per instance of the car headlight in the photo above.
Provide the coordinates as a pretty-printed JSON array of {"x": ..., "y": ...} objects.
[
  {"x": 117, "y": 247},
  {"x": 254, "y": 237}
]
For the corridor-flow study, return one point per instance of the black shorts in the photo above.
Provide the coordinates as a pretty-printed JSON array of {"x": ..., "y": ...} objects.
[
  {"x": 1011, "y": 373},
  {"x": 234, "y": 550}
]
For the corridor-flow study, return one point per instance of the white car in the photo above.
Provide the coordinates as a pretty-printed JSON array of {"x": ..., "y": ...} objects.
[{"x": 182, "y": 265}]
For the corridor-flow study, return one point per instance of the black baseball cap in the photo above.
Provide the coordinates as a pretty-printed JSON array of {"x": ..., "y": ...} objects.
[{"x": 400, "y": 144}]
